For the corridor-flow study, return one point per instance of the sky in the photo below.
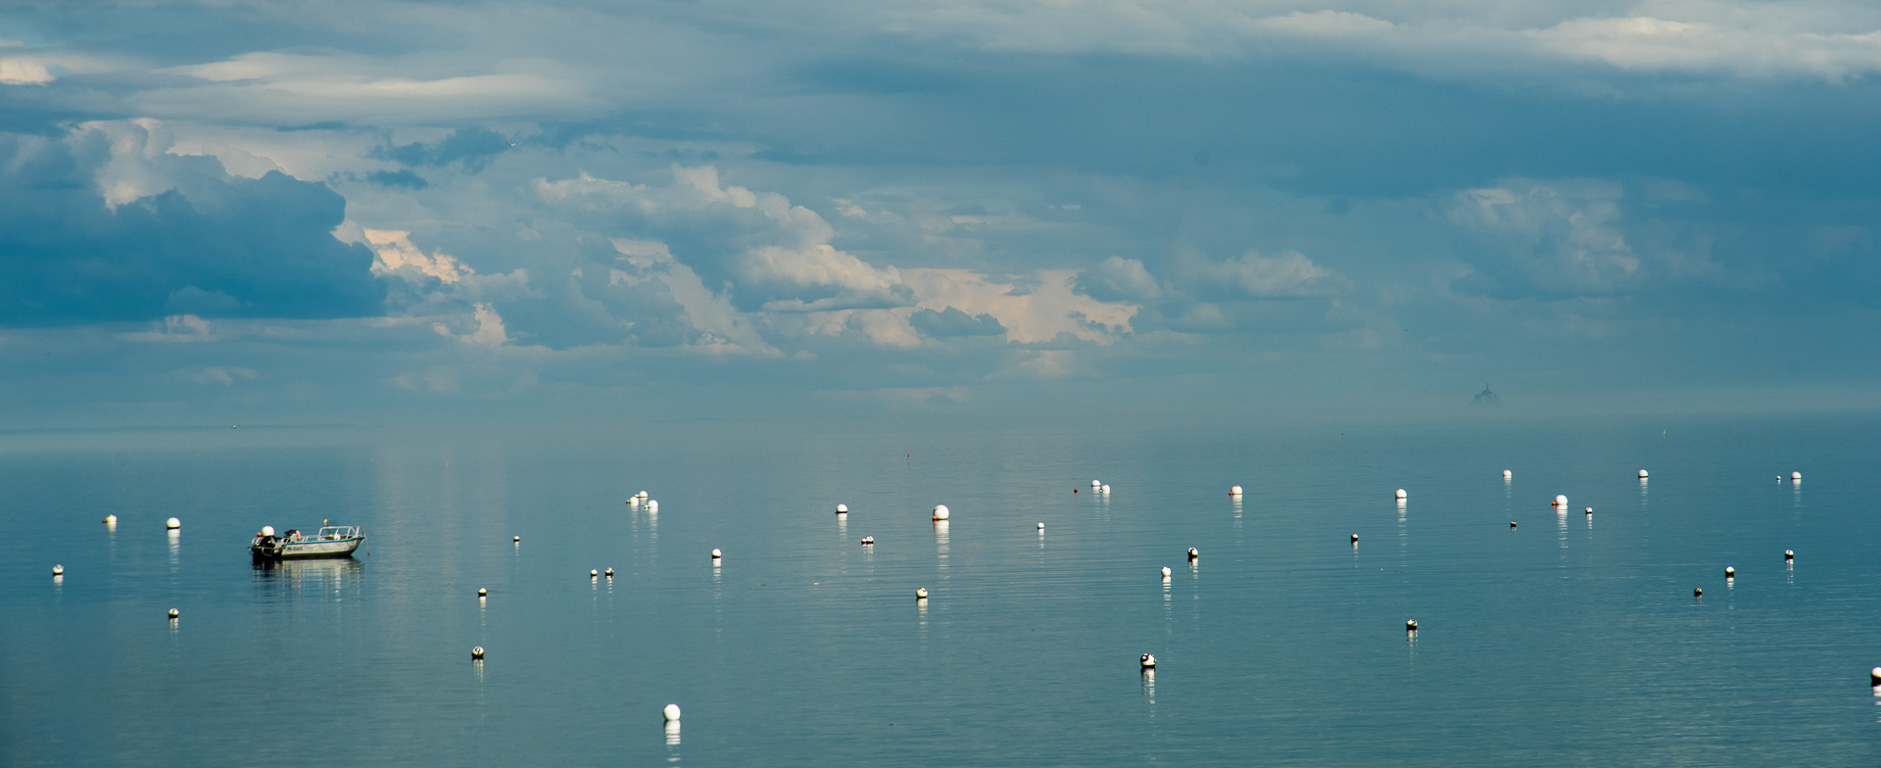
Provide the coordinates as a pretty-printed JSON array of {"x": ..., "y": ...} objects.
[{"x": 1003, "y": 210}]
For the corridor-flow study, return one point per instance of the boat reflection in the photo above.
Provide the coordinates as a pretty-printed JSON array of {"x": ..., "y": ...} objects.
[{"x": 330, "y": 575}]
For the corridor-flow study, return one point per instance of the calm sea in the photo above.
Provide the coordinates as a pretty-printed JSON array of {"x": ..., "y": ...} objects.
[{"x": 1568, "y": 640}]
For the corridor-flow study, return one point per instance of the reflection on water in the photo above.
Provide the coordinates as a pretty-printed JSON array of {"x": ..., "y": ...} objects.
[
  {"x": 1149, "y": 685},
  {"x": 176, "y": 548},
  {"x": 940, "y": 542},
  {"x": 331, "y": 577}
]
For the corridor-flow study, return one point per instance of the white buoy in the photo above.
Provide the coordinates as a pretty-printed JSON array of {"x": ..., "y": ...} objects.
[
  {"x": 1234, "y": 490},
  {"x": 641, "y": 495},
  {"x": 173, "y": 523},
  {"x": 1041, "y": 526},
  {"x": 608, "y": 573},
  {"x": 842, "y": 509},
  {"x": 1874, "y": 677},
  {"x": 1590, "y": 510},
  {"x": 1105, "y": 490},
  {"x": 1166, "y": 572},
  {"x": 653, "y": 507},
  {"x": 1149, "y": 661},
  {"x": 868, "y": 541},
  {"x": 477, "y": 653},
  {"x": 1410, "y": 626},
  {"x": 1506, "y": 474},
  {"x": 1096, "y": 485},
  {"x": 1788, "y": 555},
  {"x": 175, "y": 613},
  {"x": 940, "y": 511},
  {"x": 481, "y": 592},
  {"x": 1355, "y": 539},
  {"x": 1642, "y": 474},
  {"x": 671, "y": 712},
  {"x": 717, "y": 554},
  {"x": 593, "y": 574},
  {"x": 111, "y": 520},
  {"x": 1193, "y": 554},
  {"x": 58, "y": 570},
  {"x": 1511, "y": 525},
  {"x": 1796, "y": 475},
  {"x": 1698, "y": 591},
  {"x": 1729, "y": 572},
  {"x": 920, "y": 593},
  {"x": 517, "y": 539},
  {"x": 1402, "y": 494},
  {"x": 633, "y": 501},
  {"x": 1560, "y": 501}
]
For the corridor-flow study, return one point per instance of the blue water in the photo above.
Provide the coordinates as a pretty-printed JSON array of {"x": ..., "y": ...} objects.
[{"x": 1566, "y": 641}]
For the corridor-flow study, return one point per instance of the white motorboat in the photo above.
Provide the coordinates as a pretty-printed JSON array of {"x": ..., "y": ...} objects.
[{"x": 331, "y": 541}]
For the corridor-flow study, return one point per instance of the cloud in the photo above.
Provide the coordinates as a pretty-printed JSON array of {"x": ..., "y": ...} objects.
[
  {"x": 1551, "y": 238},
  {"x": 473, "y": 147},
  {"x": 758, "y": 248},
  {"x": 953, "y": 322},
  {"x": 103, "y": 225},
  {"x": 1195, "y": 294}
]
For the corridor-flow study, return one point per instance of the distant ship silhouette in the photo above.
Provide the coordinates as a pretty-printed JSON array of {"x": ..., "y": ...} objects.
[{"x": 1487, "y": 397}]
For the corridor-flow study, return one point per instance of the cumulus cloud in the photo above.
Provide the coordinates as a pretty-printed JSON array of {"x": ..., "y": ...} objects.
[
  {"x": 103, "y": 225},
  {"x": 1550, "y": 238},
  {"x": 1192, "y": 293},
  {"x": 756, "y": 247},
  {"x": 952, "y": 322}
]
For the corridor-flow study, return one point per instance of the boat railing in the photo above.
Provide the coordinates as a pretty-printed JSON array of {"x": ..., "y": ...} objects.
[{"x": 337, "y": 533}]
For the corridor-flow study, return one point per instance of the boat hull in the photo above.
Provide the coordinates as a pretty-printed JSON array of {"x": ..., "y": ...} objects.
[{"x": 312, "y": 548}]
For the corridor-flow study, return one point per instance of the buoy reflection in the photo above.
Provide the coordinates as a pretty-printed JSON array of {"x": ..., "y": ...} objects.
[{"x": 672, "y": 733}]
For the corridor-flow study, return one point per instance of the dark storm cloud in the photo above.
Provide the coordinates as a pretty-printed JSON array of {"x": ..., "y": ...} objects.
[
  {"x": 471, "y": 146},
  {"x": 231, "y": 247}
]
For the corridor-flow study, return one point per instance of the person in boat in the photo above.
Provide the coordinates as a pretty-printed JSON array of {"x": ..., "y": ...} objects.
[{"x": 292, "y": 535}]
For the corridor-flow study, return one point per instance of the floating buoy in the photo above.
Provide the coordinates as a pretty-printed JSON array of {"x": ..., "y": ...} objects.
[
  {"x": 1698, "y": 591},
  {"x": 593, "y": 574},
  {"x": 477, "y": 653},
  {"x": 633, "y": 501},
  {"x": 653, "y": 507},
  {"x": 1402, "y": 494},
  {"x": 111, "y": 520},
  {"x": 641, "y": 495},
  {"x": 1506, "y": 474},
  {"x": 1874, "y": 677},
  {"x": 517, "y": 539},
  {"x": 1729, "y": 572},
  {"x": 1560, "y": 501},
  {"x": 175, "y": 613},
  {"x": 1193, "y": 554},
  {"x": 940, "y": 511},
  {"x": 671, "y": 712},
  {"x": 58, "y": 570},
  {"x": 1105, "y": 490},
  {"x": 1149, "y": 661},
  {"x": 920, "y": 593},
  {"x": 717, "y": 554},
  {"x": 1096, "y": 484},
  {"x": 1788, "y": 555},
  {"x": 1041, "y": 526},
  {"x": 608, "y": 573},
  {"x": 173, "y": 523},
  {"x": 1642, "y": 474},
  {"x": 1511, "y": 525},
  {"x": 868, "y": 541},
  {"x": 1798, "y": 476},
  {"x": 1590, "y": 510},
  {"x": 1411, "y": 625},
  {"x": 1355, "y": 538},
  {"x": 1166, "y": 573},
  {"x": 842, "y": 509},
  {"x": 1234, "y": 490}
]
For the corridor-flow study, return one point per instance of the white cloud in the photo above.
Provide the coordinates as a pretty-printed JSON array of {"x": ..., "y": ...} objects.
[{"x": 1556, "y": 237}]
